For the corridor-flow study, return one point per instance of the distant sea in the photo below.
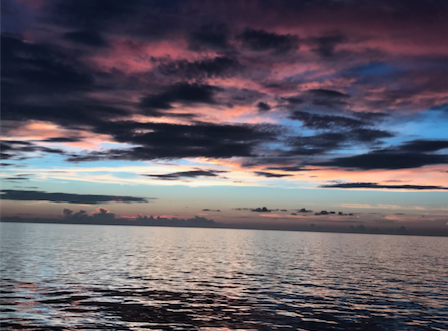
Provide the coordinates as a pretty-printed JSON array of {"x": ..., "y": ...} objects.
[{"x": 96, "y": 277}]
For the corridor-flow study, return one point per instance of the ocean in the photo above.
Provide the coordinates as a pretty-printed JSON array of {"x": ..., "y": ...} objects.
[{"x": 94, "y": 277}]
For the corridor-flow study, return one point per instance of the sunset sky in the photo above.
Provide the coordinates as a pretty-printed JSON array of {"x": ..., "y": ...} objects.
[{"x": 220, "y": 108}]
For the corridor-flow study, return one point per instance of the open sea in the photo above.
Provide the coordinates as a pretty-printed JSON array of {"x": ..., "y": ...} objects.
[{"x": 92, "y": 277}]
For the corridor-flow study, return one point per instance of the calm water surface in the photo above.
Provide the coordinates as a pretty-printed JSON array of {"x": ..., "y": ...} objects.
[{"x": 65, "y": 277}]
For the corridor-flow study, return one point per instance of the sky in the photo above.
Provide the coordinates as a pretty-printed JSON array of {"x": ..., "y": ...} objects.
[{"x": 241, "y": 112}]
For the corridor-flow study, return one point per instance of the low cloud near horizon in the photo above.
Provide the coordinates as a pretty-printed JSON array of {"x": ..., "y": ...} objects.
[{"x": 82, "y": 199}]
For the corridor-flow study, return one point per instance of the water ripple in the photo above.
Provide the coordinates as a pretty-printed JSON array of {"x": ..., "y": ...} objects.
[{"x": 73, "y": 277}]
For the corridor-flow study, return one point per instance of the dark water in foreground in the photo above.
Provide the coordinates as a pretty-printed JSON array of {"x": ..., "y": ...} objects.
[{"x": 65, "y": 277}]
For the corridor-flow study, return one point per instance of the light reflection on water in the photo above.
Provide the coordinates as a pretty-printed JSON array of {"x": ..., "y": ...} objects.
[{"x": 130, "y": 278}]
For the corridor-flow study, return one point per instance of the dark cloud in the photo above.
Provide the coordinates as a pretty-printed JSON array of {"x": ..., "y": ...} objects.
[
  {"x": 172, "y": 141},
  {"x": 379, "y": 186},
  {"x": 260, "y": 40},
  {"x": 328, "y": 141},
  {"x": 443, "y": 109},
  {"x": 317, "y": 144},
  {"x": 261, "y": 210},
  {"x": 385, "y": 159},
  {"x": 215, "y": 210},
  {"x": 263, "y": 106},
  {"x": 325, "y": 45},
  {"x": 270, "y": 174},
  {"x": 328, "y": 98},
  {"x": 94, "y": 15},
  {"x": 76, "y": 115},
  {"x": 221, "y": 66},
  {"x": 289, "y": 168},
  {"x": 105, "y": 217},
  {"x": 324, "y": 212},
  {"x": 303, "y": 210},
  {"x": 411, "y": 154},
  {"x": 294, "y": 100},
  {"x": 316, "y": 121},
  {"x": 40, "y": 68},
  {"x": 14, "y": 149},
  {"x": 44, "y": 82},
  {"x": 214, "y": 36},
  {"x": 85, "y": 199},
  {"x": 365, "y": 135},
  {"x": 18, "y": 177},
  {"x": 328, "y": 93},
  {"x": 62, "y": 140},
  {"x": 182, "y": 92},
  {"x": 423, "y": 146},
  {"x": 88, "y": 38},
  {"x": 187, "y": 174},
  {"x": 370, "y": 116}
]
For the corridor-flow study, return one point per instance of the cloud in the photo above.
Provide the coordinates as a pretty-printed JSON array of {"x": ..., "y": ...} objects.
[
  {"x": 187, "y": 174},
  {"x": 181, "y": 92},
  {"x": 17, "y": 177},
  {"x": 262, "y": 210},
  {"x": 319, "y": 122},
  {"x": 15, "y": 149},
  {"x": 263, "y": 107},
  {"x": 214, "y": 36},
  {"x": 85, "y": 199},
  {"x": 105, "y": 217},
  {"x": 379, "y": 186},
  {"x": 328, "y": 93},
  {"x": 260, "y": 40},
  {"x": 386, "y": 159},
  {"x": 164, "y": 80},
  {"x": 303, "y": 210},
  {"x": 40, "y": 68},
  {"x": 294, "y": 100},
  {"x": 95, "y": 15},
  {"x": 174, "y": 141},
  {"x": 290, "y": 168},
  {"x": 380, "y": 206},
  {"x": 423, "y": 146},
  {"x": 324, "y": 212},
  {"x": 328, "y": 141},
  {"x": 317, "y": 144},
  {"x": 62, "y": 140},
  {"x": 270, "y": 175},
  {"x": 325, "y": 45},
  {"x": 77, "y": 113},
  {"x": 327, "y": 99},
  {"x": 87, "y": 38},
  {"x": 215, "y": 210},
  {"x": 220, "y": 66},
  {"x": 370, "y": 116},
  {"x": 366, "y": 135}
]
